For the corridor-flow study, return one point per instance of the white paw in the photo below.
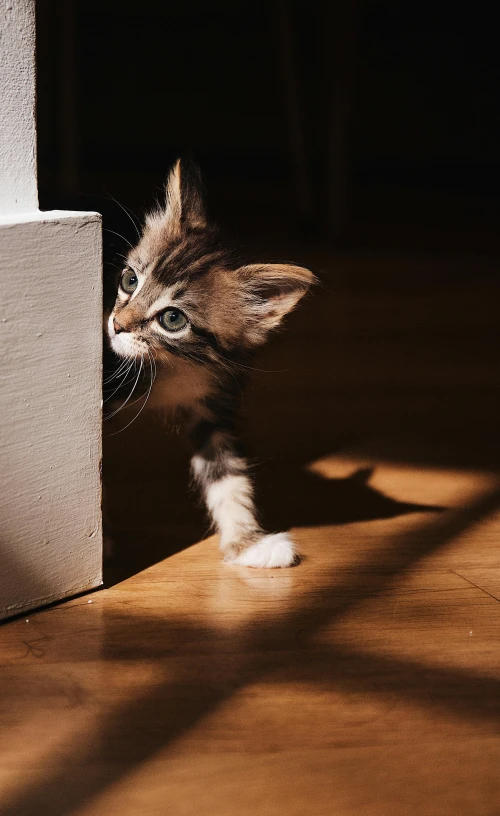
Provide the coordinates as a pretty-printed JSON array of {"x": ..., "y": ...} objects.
[{"x": 271, "y": 551}]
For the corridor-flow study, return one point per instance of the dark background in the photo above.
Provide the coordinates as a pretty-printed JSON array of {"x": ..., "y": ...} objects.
[
  {"x": 361, "y": 140},
  {"x": 372, "y": 124}
]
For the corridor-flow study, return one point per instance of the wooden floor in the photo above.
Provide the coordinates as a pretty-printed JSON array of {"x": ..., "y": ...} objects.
[{"x": 364, "y": 682}]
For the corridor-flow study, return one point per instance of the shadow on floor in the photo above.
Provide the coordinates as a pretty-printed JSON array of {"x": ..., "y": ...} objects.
[
  {"x": 289, "y": 497},
  {"x": 226, "y": 661},
  {"x": 301, "y": 498}
]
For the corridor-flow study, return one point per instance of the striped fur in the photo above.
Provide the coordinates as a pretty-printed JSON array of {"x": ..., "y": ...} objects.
[{"x": 181, "y": 271}]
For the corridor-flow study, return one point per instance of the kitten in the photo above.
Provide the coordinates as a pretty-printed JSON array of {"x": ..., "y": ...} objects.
[{"x": 185, "y": 307}]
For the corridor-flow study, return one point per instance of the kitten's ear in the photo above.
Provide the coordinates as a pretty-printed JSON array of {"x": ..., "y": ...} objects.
[
  {"x": 172, "y": 213},
  {"x": 271, "y": 291},
  {"x": 183, "y": 200}
]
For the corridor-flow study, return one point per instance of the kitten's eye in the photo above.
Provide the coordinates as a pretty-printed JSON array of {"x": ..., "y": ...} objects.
[
  {"x": 173, "y": 320},
  {"x": 129, "y": 281}
]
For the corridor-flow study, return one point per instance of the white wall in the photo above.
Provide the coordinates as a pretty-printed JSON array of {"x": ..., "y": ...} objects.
[
  {"x": 18, "y": 189},
  {"x": 50, "y": 346}
]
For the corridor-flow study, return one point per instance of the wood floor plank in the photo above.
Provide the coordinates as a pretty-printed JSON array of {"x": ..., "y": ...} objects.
[{"x": 364, "y": 682}]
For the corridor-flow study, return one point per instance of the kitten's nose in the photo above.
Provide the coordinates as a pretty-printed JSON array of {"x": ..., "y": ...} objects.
[{"x": 117, "y": 326}]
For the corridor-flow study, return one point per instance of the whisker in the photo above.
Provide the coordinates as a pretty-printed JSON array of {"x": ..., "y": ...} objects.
[
  {"x": 125, "y": 374},
  {"x": 242, "y": 365},
  {"x": 124, "y": 363},
  {"x": 133, "y": 401},
  {"x": 153, "y": 376},
  {"x": 253, "y": 368},
  {"x": 119, "y": 374},
  {"x": 119, "y": 236},
  {"x": 227, "y": 368},
  {"x": 127, "y": 213},
  {"x": 132, "y": 391},
  {"x": 120, "y": 384},
  {"x": 153, "y": 363}
]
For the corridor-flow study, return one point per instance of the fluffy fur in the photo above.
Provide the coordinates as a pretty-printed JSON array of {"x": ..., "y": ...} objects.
[{"x": 180, "y": 271}]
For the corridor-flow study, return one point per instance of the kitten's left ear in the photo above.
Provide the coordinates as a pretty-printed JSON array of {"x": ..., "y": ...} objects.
[
  {"x": 271, "y": 291},
  {"x": 183, "y": 200}
]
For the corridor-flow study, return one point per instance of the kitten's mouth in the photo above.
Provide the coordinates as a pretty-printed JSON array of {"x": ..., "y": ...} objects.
[
  {"x": 124, "y": 346},
  {"x": 124, "y": 343}
]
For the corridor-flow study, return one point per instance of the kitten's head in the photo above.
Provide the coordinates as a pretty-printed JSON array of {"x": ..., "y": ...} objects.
[{"x": 181, "y": 295}]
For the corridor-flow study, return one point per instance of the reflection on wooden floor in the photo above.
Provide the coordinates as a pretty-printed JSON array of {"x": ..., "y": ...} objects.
[{"x": 366, "y": 680}]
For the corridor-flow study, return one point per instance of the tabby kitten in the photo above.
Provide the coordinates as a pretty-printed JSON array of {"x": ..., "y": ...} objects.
[{"x": 184, "y": 307}]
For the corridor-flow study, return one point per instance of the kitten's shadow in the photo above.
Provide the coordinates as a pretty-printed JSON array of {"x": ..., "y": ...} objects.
[
  {"x": 287, "y": 497},
  {"x": 306, "y": 499}
]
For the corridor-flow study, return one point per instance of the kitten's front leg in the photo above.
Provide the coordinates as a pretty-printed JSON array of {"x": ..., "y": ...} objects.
[{"x": 227, "y": 489}]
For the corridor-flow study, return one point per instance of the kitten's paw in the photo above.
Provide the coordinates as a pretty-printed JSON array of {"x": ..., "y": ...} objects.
[{"x": 271, "y": 551}]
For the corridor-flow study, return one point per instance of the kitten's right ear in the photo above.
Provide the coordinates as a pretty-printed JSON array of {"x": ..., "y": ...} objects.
[
  {"x": 183, "y": 201},
  {"x": 270, "y": 292}
]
